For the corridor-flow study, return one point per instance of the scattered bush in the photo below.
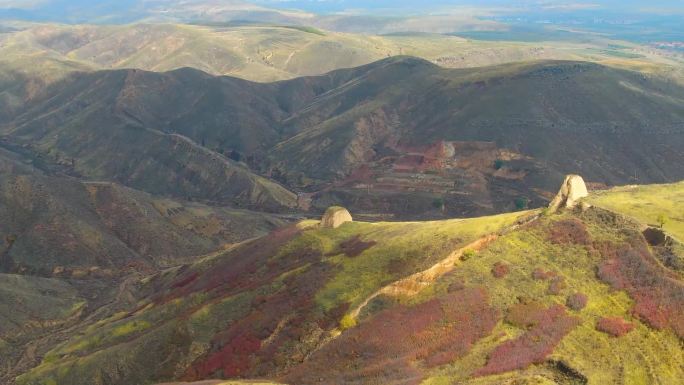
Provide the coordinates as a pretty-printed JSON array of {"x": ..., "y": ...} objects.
[
  {"x": 557, "y": 285},
  {"x": 500, "y": 269},
  {"x": 498, "y": 164},
  {"x": 467, "y": 254},
  {"x": 615, "y": 326},
  {"x": 570, "y": 231},
  {"x": 347, "y": 322},
  {"x": 577, "y": 301},
  {"x": 542, "y": 275},
  {"x": 438, "y": 203}
]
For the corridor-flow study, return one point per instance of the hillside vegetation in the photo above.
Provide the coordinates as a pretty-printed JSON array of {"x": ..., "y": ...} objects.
[
  {"x": 572, "y": 298},
  {"x": 649, "y": 204},
  {"x": 55, "y": 225},
  {"x": 400, "y": 136}
]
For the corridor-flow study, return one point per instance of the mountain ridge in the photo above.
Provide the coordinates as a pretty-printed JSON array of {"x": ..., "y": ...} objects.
[{"x": 343, "y": 125}]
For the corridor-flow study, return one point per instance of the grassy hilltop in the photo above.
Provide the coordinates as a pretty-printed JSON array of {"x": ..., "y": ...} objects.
[{"x": 571, "y": 298}]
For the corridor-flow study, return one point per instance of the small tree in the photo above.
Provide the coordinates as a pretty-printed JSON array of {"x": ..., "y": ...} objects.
[
  {"x": 498, "y": 164},
  {"x": 521, "y": 203},
  {"x": 438, "y": 203},
  {"x": 662, "y": 220}
]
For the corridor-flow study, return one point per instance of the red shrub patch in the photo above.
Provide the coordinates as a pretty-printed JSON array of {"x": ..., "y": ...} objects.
[
  {"x": 500, "y": 269},
  {"x": 557, "y": 285},
  {"x": 242, "y": 268},
  {"x": 354, "y": 246},
  {"x": 658, "y": 294},
  {"x": 542, "y": 275},
  {"x": 570, "y": 231},
  {"x": 615, "y": 326},
  {"x": 577, "y": 301},
  {"x": 233, "y": 359},
  {"x": 532, "y": 347},
  {"x": 390, "y": 344}
]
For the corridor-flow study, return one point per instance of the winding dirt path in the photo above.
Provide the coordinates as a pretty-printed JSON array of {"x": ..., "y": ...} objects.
[{"x": 416, "y": 282}]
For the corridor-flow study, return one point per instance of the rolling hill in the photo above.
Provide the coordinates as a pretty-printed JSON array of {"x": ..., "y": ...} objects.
[
  {"x": 400, "y": 136},
  {"x": 108, "y": 126},
  {"x": 58, "y": 226},
  {"x": 576, "y": 297},
  {"x": 276, "y": 52}
]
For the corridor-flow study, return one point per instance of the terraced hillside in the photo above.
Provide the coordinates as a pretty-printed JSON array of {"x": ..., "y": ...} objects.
[
  {"x": 570, "y": 298},
  {"x": 400, "y": 136}
]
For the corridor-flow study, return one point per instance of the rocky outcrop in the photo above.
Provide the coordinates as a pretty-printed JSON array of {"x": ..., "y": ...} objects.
[
  {"x": 570, "y": 194},
  {"x": 335, "y": 217}
]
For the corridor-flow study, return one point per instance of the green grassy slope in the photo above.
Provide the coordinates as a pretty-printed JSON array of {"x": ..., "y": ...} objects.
[{"x": 646, "y": 204}]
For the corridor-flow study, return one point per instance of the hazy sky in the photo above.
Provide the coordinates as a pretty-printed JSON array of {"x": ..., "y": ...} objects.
[
  {"x": 426, "y": 5},
  {"x": 413, "y": 5},
  {"x": 121, "y": 11}
]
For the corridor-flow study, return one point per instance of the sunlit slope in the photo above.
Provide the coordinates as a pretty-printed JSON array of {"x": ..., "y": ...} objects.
[
  {"x": 290, "y": 284},
  {"x": 268, "y": 53},
  {"x": 650, "y": 204},
  {"x": 569, "y": 298}
]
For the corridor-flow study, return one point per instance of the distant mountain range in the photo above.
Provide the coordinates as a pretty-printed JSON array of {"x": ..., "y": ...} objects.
[
  {"x": 660, "y": 17},
  {"x": 395, "y": 136}
]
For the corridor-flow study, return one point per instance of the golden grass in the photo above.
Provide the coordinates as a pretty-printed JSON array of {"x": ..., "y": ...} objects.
[{"x": 646, "y": 203}]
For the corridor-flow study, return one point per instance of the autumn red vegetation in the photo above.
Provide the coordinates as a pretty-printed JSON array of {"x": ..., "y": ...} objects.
[
  {"x": 551, "y": 325},
  {"x": 258, "y": 342},
  {"x": 658, "y": 293},
  {"x": 577, "y": 301},
  {"x": 395, "y": 343},
  {"x": 244, "y": 269},
  {"x": 569, "y": 231},
  {"x": 615, "y": 326},
  {"x": 500, "y": 269}
]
